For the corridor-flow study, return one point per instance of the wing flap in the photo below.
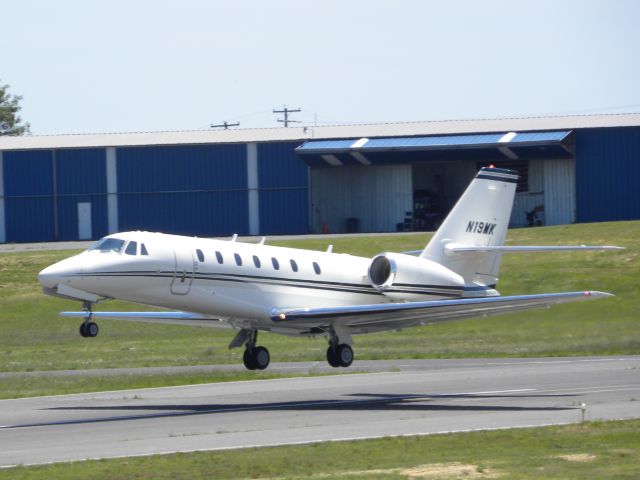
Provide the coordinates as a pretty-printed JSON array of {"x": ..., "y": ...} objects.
[{"x": 399, "y": 315}]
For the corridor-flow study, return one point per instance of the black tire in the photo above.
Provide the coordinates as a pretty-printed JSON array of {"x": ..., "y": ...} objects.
[
  {"x": 261, "y": 358},
  {"x": 332, "y": 357},
  {"x": 83, "y": 330},
  {"x": 248, "y": 360},
  {"x": 344, "y": 355},
  {"x": 92, "y": 329}
]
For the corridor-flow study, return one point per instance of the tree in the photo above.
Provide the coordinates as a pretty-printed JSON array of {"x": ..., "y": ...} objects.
[{"x": 10, "y": 122}]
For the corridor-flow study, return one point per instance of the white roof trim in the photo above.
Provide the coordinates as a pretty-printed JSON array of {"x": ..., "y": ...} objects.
[
  {"x": 507, "y": 137},
  {"x": 440, "y": 127}
]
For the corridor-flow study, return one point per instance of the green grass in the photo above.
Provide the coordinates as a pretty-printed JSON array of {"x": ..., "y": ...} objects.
[
  {"x": 590, "y": 450},
  {"x": 25, "y": 385},
  {"x": 34, "y": 338}
]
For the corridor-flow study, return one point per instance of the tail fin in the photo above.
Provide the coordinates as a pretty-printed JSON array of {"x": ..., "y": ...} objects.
[{"x": 479, "y": 218}]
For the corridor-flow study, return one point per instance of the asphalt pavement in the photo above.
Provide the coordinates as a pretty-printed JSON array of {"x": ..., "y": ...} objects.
[{"x": 416, "y": 397}]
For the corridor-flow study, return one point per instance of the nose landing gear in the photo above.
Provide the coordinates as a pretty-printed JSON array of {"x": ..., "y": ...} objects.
[{"x": 88, "y": 329}]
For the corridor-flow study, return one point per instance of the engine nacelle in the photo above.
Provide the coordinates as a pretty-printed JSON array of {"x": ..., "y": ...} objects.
[{"x": 405, "y": 277}]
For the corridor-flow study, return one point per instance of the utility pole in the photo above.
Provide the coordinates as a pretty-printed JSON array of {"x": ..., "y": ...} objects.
[
  {"x": 225, "y": 124},
  {"x": 286, "y": 112}
]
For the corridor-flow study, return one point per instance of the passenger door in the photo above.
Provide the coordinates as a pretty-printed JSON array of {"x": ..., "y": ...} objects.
[{"x": 183, "y": 273}]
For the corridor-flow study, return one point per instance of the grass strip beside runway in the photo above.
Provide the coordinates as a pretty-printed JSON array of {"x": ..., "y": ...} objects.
[
  {"x": 588, "y": 450},
  {"x": 34, "y": 338},
  {"x": 20, "y": 386}
]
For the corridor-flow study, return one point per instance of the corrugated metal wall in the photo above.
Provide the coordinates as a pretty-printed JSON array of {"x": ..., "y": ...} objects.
[
  {"x": 190, "y": 190},
  {"x": 202, "y": 190},
  {"x": 607, "y": 174},
  {"x": 28, "y": 178},
  {"x": 559, "y": 191},
  {"x": 526, "y": 201},
  {"x": 81, "y": 177},
  {"x": 42, "y": 191},
  {"x": 283, "y": 189},
  {"x": 378, "y": 196}
]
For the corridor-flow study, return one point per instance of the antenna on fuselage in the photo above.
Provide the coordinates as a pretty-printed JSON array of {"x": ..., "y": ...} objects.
[
  {"x": 234, "y": 238},
  {"x": 262, "y": 240},
  {"x": 330, "y": 249}
]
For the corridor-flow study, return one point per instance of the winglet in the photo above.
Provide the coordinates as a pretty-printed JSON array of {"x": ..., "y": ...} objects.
[{"x": 597, "y": 294}]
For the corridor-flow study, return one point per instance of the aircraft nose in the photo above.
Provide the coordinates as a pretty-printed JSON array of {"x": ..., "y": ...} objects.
[
  {"x": 50, "y": 276},
  {"x": 57, "y": 273}
]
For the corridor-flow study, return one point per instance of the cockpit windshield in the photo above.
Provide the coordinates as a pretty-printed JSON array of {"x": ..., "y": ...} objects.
[{"x": 108, "y": 245}]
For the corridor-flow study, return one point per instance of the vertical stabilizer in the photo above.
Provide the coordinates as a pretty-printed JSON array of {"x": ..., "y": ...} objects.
[{"x": 479, "y": 218}]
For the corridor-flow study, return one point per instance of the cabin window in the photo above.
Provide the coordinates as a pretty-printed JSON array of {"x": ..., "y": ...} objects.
[
  {"x": 132, "y": 248},
  {"x": 219, "y": 257},
  {"x": 109, "y": 245},
  {"x": 200, "y": 255},
  {"x": 316, "y": 268},
  {"x": 256, "y": 261},
  {"x": 238, "y": 259},
  {"x": 276, "y": 265},
  {"x": 143, "y": 249},
  {"x": 294, "y": 265}
]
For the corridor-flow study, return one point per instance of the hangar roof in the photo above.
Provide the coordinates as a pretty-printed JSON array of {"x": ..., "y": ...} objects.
[
  {"x": 486, "y": 146},
  {"x": 376, "y": 130}
]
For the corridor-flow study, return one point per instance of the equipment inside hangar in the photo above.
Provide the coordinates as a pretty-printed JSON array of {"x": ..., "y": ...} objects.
[{"x": 396, "y": 184}]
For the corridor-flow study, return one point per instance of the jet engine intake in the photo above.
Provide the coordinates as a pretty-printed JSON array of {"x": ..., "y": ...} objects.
[{"x": 405, "y": 277}]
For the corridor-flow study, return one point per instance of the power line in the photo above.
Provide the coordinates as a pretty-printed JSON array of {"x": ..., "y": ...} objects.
[
  {"x": 225, "y": 125},
  {"x": 286, "y": 112}
]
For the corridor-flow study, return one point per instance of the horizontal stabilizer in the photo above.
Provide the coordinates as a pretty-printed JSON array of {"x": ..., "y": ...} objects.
[
  {"x": 171, "y": 318},
  {"x": 461, "y": 248}
]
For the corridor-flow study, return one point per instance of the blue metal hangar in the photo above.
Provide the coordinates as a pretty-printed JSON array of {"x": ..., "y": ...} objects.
[{"x": 368, "y": 178}]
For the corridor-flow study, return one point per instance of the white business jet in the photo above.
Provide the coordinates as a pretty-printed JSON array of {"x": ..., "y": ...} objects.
[{"x": 257, "y": 287}]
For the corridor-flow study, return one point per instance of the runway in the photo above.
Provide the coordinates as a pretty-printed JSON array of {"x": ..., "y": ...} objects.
[{"x": 415, "y": 397}]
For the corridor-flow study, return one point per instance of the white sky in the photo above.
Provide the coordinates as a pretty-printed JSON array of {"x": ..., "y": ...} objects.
[{"x": 139, "y": 65}]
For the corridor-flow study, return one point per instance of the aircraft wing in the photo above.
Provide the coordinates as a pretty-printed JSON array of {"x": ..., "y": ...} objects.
[
  {"x": 389, "y": 316},
  {"x": 171, "y": 318}
]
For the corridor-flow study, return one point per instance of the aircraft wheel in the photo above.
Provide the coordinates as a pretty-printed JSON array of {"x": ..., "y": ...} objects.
[
  {"x": 261, "y": 358},
  {"x": 83, "y": 330},
  {"x": 248, "y": 360},
  {"x": 344, "y": 353},
  {"x": 92, "y": 329},
  {"x": 332, "y": 357}
]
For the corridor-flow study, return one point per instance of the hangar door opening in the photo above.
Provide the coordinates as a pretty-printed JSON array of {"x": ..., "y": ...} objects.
[
  {"x": 411, "y": 183},
  {"x": 436, "y": 186},
  {"x": 360, "y": 199},
  {"x": 545, "y": 193},
  {"x": 417, "y": 197}
]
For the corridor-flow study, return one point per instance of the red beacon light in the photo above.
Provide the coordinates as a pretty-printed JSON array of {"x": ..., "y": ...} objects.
[{"x": 491, "y": 165}]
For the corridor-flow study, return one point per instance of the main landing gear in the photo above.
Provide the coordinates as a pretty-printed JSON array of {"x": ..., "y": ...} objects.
[
  {"x": 88, "y": 329},
  {"x": 254, "y": 358},
  {"x": 338, "y": 354}
]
